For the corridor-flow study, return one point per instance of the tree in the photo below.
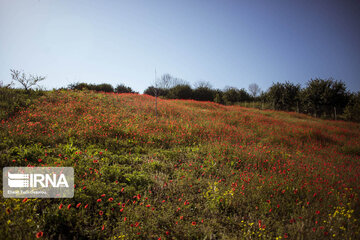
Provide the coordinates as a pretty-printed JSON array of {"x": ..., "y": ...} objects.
[
  {"x": 103, "y": 87},
  {"x": 232, "y": 95},
  {"x": 254, "y": 89},
  {"x": 352, "y": 109},
  {"x": 79, "y": 86},
  {"x": 321, "y": 96},
  {"x": 202, "y": 84},
  {"x": 284, "y": 96},
  {"x": 153, "y": 91},
  {"x": 204, "y": 94},
  {"x": 2, "y": 85},
  {"x": 180, "y": 92},
  {"x": 219, "y": 97},
  {"x": 167, "y": 81},
  {"x": 121, "y": 88},
  {"x": 26, "y": 81}
]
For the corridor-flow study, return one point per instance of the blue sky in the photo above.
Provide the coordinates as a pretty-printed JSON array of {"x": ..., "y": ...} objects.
[{"x": 227, "y": 43}]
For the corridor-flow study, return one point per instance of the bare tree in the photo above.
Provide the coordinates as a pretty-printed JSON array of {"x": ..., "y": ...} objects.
[
  {"x": 26, "y": 81},
  {"x": 3, "y": 85},
  {"x": 254, "y": 89},
  {"x": 167, "y": 81},
  {"x": 202, "y": 84}
]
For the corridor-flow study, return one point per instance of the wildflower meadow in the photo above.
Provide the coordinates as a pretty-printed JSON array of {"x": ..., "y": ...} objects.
[{"x": 194, "y": 170}]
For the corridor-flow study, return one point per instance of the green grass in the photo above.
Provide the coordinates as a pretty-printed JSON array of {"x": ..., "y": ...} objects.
[{"x": 196, "y": 171}]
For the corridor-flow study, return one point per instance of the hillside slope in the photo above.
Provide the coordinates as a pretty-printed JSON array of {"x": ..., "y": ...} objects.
[{"x": 199, "y": 170}]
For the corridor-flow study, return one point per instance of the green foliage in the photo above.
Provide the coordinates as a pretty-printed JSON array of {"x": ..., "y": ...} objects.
[
  {"x": 284, "y": 96},
  {"x": 204, "y": 94},
  {"x": 233, "y": 95},
  {"x": 180, "y": 92},
  {"x": 103, "y": 87},
  {"x": 153, "y": 91},
  {"x": 121, "y": 88},
  {"x": 352, "y": 109},
  {"x": 321, "y": 96},
  {"x": 14, "y": 100}
]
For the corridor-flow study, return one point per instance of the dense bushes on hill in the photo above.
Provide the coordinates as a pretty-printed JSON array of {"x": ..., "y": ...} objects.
[
  {"x": 326, "y": 98},
  {"x": 13, "y": 100}
]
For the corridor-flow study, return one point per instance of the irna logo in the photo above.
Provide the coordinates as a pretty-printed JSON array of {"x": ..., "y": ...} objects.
[{"x": 36, "y": 180}]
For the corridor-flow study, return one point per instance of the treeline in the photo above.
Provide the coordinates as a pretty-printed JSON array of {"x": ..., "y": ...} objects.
[
  {"x": 326, "y": 98},
  {"x": 103, "y": 87}
]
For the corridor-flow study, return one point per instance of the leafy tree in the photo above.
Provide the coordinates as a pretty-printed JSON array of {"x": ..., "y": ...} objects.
[
  {"x": 219, "y": 97},
  {"x": 352, "y": 109},
  {"x": 78, "y": 86},
  {"x": 26, "y": 81},
  {"x": 152, "y": 91},
  {"x": 103, "y": 87},
  {"x": 284, "y": 96},
  {"x": 232, "y": 95},
  {"x": 121, "y": 88},
  {"x": 180, "y": 92},
  {"x": 204, "y": 94},
  {"x": 322, "y": 95}
]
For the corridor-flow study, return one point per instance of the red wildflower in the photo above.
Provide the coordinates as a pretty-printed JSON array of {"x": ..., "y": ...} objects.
[
  {"x": 110, "y": 199},
  {"x": 25, "y": 199},
  {"x": 60, "y": 206},
  {"x": 193, "y": 223},
  {"x": 39, "y": 234},
  {"x": 101, "y": 213},
  {"x": 69, "y": 206}
]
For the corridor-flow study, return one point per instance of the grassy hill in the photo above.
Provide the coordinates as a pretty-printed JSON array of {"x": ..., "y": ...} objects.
[{"x": 199, "y": 171}]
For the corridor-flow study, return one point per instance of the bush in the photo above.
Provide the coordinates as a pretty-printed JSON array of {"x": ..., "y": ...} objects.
[
  {"x": 180, "y": 92},
  {"x": 204, "y": 94},
  {"x": 152, "y": 91},
  {"x": 13, "y": 100},
  {"x": 104, "y": 87},
  {"x": 233, "y": 95},
  {"x": 352, "y": 109},
  {"x": 121, "y": 88}
]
